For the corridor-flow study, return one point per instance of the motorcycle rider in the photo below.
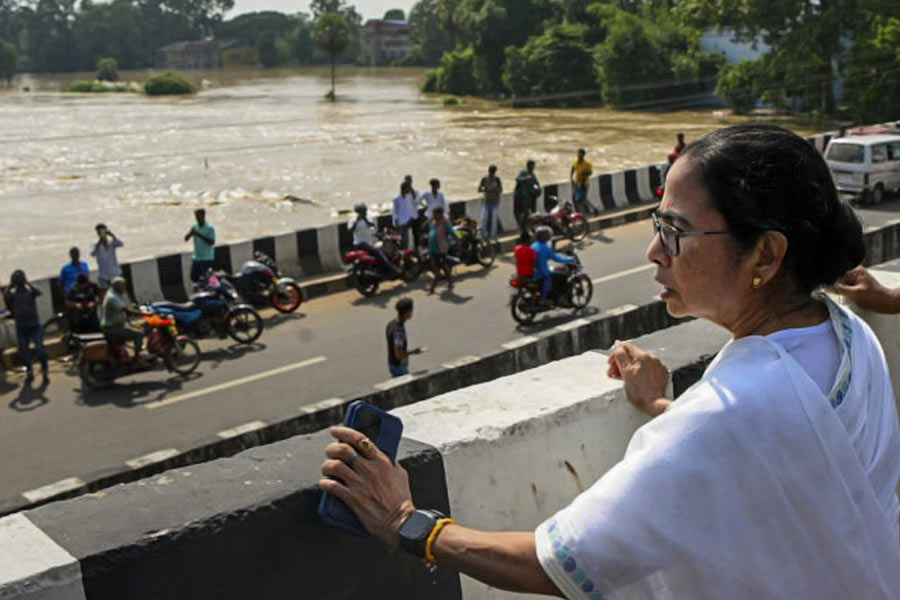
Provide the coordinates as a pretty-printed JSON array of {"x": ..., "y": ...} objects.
[
  {"x": 546, "y": 253},
  {"x": 114, "y": 323},
  {"x": 81, "y": 302},
  {"x": 363, "y": 239},
  {"x": 526, "y": 256}
]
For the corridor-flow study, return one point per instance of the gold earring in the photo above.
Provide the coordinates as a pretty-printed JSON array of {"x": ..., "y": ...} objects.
[{"x": 757, "y": 281}]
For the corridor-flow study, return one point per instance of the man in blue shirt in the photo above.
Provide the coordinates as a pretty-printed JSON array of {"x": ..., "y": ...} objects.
[
  {"x": 71, "y": 270},
  {"x": 204, "y": 245},
  {"x": 546, "y": 253}
]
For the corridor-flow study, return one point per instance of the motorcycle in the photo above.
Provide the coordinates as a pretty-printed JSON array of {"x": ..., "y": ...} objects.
[
  {"x": 64, "y": 326},
  {"x": 261, "y": 282},
  {"x": 102, "y": 362},
  {"x": 564, "y": 221},
  {"x": 216, "y": 310},
  {"x": 470, "y": 248},
  {"x": 366, "y": 273},
  {"x": 571, "y": 289}
]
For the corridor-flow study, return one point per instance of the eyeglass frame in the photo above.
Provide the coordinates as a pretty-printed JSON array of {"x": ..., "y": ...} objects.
[{"x": 659, "y": 225}]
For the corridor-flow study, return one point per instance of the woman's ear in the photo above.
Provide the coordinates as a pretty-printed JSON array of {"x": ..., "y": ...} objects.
[{"x": 770, "y": 250}]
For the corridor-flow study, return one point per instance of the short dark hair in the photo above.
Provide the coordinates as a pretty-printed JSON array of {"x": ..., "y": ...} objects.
[
  {"x": 529, "y": 164},
  {"x": 404, "y": 305},
  {"x": 524, "y": 237},
  {"x": 582, "y": 151},
  {"x": 492, "y": 168},
  {"x": 74, "y": 249},
  {"x": 99, "y": 226},
  {"x": 435, "y": 181},
  {"x": 200, "y": 211},
  {"x": 82, "y": 278},
  {"x": 763, "y": 178}
]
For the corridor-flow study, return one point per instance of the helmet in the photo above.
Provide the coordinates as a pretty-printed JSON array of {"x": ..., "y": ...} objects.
[
  {"x": 360, "y": 208},
  {"x": 543, "y": 233}
]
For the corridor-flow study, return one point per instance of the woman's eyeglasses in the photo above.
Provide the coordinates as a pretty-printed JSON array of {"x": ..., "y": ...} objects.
[{"x": 671, "y": 235}]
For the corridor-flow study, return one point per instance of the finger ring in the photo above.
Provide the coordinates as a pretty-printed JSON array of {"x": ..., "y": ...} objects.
[
  {"x": 365, "y": 445},
  {"x": 352, "y": 460}
]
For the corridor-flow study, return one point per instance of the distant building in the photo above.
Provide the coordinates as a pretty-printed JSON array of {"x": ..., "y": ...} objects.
[
  {"x": 384, "y": 42},
  {"x": 206, "y": 54}
]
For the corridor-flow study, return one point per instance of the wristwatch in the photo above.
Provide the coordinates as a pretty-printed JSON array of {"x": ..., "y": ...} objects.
[{"x": 415, "y": 530}]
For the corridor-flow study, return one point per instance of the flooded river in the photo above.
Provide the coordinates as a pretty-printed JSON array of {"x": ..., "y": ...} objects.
[{"x": 253, "y": 138}]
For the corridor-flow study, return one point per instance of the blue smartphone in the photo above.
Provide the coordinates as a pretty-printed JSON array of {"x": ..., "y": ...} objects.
[{"x": 385, "y": 431}]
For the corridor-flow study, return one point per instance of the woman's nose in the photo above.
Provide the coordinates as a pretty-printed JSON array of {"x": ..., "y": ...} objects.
[{"x": 656, "y": 252}]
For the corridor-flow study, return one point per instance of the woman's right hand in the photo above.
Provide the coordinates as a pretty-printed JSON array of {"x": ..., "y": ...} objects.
[{"x": 644, "y": 375}]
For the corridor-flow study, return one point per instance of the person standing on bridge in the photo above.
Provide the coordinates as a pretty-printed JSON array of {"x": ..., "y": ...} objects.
[
  {"x": 525, "y": 198},
  {"x": 105, "y": 252},
  {"x": 492, "y": 188},
  {"x": 72, "y": 269},
  {"x": 435, "y": 198},
  {"x": 204, "y": 236},
  {"x": 404, "y": 214},
  {"x": 20, "y": 300},
  {"x": 580, "y": 176},
  {"x": 398, "y": 356},
  {"x": 421, "y": 220}
]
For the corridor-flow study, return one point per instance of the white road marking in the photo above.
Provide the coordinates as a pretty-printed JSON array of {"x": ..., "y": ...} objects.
[
  {"x": 572, "y": 325},
  {"x": 153, "y": 457},
  {"x": 461, "y": 362},
  {"x": 241, "y": 429},
  {"x": 34, "y": 564},
  {"x": 394, "y": 382},
  {"x": 326, "y": 404},
  {"x": 619, "y": 310},
  {"x": 236, "y": 382},
  {"x": 606, "y": 278},
  {"x": 522, "y": 341},
  {"x": 52, "y": 489}
]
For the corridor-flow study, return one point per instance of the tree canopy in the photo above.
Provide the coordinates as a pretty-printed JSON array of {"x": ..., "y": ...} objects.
[
  {"x": 332, "y": 35},
  {"x": 9, "y": 60}
]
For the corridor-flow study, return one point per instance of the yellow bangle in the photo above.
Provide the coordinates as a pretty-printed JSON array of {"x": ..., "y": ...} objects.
[{"x": 429, "y": 554}]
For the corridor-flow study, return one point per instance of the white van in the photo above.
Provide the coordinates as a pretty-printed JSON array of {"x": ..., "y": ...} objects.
[{"x": 866, "y": 166}]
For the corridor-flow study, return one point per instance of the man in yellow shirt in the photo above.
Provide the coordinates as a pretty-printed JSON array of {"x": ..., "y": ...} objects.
[{"x": 580, "y": 175}]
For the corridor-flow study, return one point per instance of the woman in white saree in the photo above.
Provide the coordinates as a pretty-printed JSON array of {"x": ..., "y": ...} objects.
[{"x": 775, "y": 476}]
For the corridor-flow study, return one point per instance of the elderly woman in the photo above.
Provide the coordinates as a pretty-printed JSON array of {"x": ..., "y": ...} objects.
[{"x": 775, "y": 476}]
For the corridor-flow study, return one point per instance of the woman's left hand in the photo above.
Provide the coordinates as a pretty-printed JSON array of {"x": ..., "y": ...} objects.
[{"x": 374, "y": 488}]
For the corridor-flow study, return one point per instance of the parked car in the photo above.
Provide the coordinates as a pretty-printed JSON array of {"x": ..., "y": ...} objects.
[{"x": 865, "y": 166}]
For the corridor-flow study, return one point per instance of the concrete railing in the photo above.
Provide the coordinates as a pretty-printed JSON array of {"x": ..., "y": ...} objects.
[{"x": 501, "y": 455}]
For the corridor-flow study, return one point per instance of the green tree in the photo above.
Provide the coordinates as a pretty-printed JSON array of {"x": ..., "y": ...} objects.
[
  {"x": 559, "y": 59},
  {"x": 872, "y": 79},
  {"x": 354, "y": 22},
  {"x": 739, "y": 85},
  {"x": 268, "y": 51},
  {"x": 429, "y": 37},
  {"x": 395, "y": 14},
  {"x": 116, "y": 30},
  {"x": 631, "y": 63},
  {"x": 253, "y": 27},
  {"x": 303, "y": 48},
  {"x": 456, "y": 74},
  {"x": 107, "y": 69},
  {"x": 9, "y": 61},
  {"x": 332, "y": 34}
]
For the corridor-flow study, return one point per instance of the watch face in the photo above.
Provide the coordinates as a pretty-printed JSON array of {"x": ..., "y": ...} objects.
[{"x": 417, "y": 526}]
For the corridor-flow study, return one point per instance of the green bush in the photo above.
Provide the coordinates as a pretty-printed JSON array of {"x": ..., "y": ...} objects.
[
  {"x": 168, "y": 84},
  {"x": 451, "y": 101},
  {"x": 95, "y": 87},
  {"x": 738, "y": 86},
  {"x": 456, "y": 74},
  {"x": 557, "y": 60},
  {"x": 9, "y": 61},
  {"x": 107, "y": 69},
  {"x": 431, "y": 79}
]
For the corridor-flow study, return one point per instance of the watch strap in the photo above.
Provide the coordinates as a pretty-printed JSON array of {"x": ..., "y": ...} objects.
[{"x": 416, "y": 545}]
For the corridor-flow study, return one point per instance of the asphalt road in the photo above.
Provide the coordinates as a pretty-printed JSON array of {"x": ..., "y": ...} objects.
[{"x": 333, "y": 347}]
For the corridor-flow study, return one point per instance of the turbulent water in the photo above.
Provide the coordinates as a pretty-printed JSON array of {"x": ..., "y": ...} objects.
[{"x": 252, "y": 138}]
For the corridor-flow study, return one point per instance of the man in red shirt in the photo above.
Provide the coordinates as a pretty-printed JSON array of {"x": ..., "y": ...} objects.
[{"x": 525, "y": 257}]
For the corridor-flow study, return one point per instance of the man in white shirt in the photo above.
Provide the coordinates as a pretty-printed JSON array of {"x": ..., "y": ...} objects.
[
  {"x": 435, "y": 198},
  {"x": 404, "y": 214},
  {"x": 364, "y": 239}
]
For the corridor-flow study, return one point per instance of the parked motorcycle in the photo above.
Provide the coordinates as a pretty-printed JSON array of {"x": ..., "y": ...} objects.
[
  {"x": 102, "y": 362},
  {"x": 564, "y": 221},
  {"x": 470, "y": 248},
  {"x": 572, "y": 289},
  {"x": 64, "y": 325},
  {"x": 366, "y": 273},
  {"x": 216, "y": 310},
  {"x": 261, "y": 283}
]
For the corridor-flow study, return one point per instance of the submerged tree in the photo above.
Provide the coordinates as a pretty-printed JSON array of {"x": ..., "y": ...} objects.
[
  {"x": 332, "y": 34},
  {"x": 9, "y": 61}
]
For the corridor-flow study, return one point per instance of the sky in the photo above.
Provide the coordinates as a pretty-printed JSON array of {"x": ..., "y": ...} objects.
[{"x": 370, "y": 9}]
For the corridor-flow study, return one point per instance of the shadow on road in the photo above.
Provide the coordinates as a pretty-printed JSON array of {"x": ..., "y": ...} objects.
[
  {"x": 132, "y": 395},
  {"x": 279, "y": 319},
  {"x": 232, "y": 352},
  {"x": 30, "y": 396}
]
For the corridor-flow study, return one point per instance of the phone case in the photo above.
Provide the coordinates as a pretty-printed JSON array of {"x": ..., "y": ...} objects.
[{"x": 332, "y": 510}]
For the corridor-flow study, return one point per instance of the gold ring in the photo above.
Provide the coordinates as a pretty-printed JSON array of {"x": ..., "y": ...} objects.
[{"x": 365, "y": 445}]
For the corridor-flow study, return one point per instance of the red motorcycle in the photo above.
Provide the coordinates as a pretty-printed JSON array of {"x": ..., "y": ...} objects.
[
  {"x": 366, "y": 272},
  {"x": 564, "y": 221}
]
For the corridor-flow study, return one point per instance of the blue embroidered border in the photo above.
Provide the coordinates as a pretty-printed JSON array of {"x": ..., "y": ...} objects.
[{"x": 567, "y": 561}]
